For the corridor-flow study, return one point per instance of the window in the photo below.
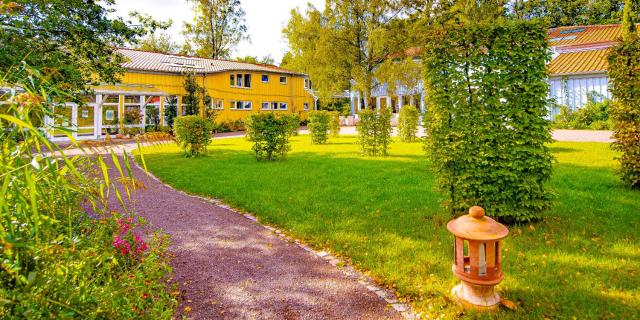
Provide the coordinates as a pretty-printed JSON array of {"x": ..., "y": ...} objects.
[
  {"x": 265, "y": 78},
  {"x": 241, "y": 80},
  {"x": 216, "y": 104},
  {"x": 274, "y": 105},
  {"x": 109, "y": 115},
  {"x": 306, "y": 106},
  {"x": 283, "y": 80},
  {"x": 241, "y": 105},
  {"x": 266, "y": 106},
  {"x": 307, "y": 83},
  {"x": 283, "y": 106}
]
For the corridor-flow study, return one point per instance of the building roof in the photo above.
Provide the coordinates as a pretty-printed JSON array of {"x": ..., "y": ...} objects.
[
  {"x": 579, "y": 62},
  {"x": 582, "y": 49},
  {"x": 140, "y": 60}
]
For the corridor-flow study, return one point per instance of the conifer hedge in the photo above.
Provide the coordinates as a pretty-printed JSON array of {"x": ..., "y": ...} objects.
[
  {"x": 487, "y": 91},
  {"x": 624, "y": 72}
]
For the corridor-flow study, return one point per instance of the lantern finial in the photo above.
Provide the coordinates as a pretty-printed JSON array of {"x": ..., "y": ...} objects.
[{"x": 476, "y": 212}]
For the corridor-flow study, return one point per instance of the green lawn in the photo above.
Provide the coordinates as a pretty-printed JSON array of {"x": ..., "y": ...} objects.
[{"x": 383, "y": 214}]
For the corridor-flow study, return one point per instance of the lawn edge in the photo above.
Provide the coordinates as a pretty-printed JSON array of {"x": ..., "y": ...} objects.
[{"x": 344, "y": 266}]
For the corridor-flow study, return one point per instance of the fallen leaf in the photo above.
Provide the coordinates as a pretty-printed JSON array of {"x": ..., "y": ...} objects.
[{"x": 509, "y": 304}]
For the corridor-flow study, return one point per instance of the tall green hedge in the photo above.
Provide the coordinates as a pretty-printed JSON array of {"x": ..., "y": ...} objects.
[
  {"x": 487, "y": 91},
  {"x": 319, "y": 126},
  {"x": 193, "y": 134},
  {"x": 374, "y": 132},
  {"x": 624, "y": 72},
  {"x": 408, "y": 124},
  {"x": 270, "y": 136},
  {"x": 334, "y": 123}
]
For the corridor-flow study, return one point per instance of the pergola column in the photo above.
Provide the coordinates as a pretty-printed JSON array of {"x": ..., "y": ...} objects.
[
  {"x": 422, "y": 102},
  {"x": 389, "y": 102}
]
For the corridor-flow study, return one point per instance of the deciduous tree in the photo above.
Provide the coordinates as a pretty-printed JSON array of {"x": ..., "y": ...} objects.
[
  {"x": 72, "y": 42},
  {"x": 218, "y": 27}
]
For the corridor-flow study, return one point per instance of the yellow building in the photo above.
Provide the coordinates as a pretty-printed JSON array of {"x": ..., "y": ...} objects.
[{"x": 152, "y": 79}]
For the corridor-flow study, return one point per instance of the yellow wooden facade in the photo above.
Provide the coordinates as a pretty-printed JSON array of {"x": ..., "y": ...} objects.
[{"x": 218, "y": 86}]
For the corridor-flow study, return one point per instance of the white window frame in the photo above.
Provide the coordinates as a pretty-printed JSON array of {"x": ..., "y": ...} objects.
[
  {"x": 268, "y": 104},
  {"x": 286, "y": 79},
  {"x": 307, "y": 83},
  {"x": 216, "y": 104},
  {"x": 306, "y": 106}
]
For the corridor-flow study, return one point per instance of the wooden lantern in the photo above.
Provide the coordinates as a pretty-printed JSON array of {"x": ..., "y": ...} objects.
[{"x": 476, "y": 259}]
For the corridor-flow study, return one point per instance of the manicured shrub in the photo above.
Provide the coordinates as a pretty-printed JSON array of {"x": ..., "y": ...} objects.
[
  {"x": 193, "y": 134},
  {"x": 624, "y": 63},
  {"x": 293, "y": 123},
  {"x": 319, "y": 126},
  {"x": 63, "y": 254},
  {"x": 374, "y": 132},
  {"x": 270, "y": 135},
  {"x": 334, "y": 123},
  {"x": 487, "y": 132},
  {"x": 408, "y": 124}
]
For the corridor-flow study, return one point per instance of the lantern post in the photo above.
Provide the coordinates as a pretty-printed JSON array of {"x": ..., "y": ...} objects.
[{"x": 477, "y": 260}]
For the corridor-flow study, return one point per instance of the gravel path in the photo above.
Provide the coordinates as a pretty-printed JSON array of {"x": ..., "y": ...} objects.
[{"x": 229, "y": 267}]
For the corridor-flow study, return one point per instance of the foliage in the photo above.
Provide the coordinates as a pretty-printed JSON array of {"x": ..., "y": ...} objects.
[
  {"x": 624, "y": 61},
  {"x": 342, "y": 105},
  {"x": 132, "y": 117},
  {"x": 64, "y": 254},
  {"x": 218, "y": 27},
  {"x": 193, "y": 134},
  {"x": 349, "y": 40},
  {"x": 293, "y": 123},
  {"x": 593, "y": 115},
  {"x": 319, "y": 126},
  {"x": 334, "y": 123},
  {"x": 336, "y": 200},
  {"x": 487, "y": 132},
  {"x": 408, "y": 124},
  {"x": 158, "y": 42},
  {"x": 231, "y": 125},
  {"x": 71, "y": 42},
  {"x": 194, "y": 95},
  {"x": 268, "y": 59},
  {"x": 558, "y": 13},
  {"x": 374, "y": 132},
  {"x": 170, "y": 110},
  {"x": 153, "y": 118},
  {"x": 270, "y": 136}
]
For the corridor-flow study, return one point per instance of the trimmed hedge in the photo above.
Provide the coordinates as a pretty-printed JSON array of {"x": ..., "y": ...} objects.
[
  {"x": 487, "y": 132},
  {"x": 624, "y": 63},
  {"x": 319, "y": 126},
  {"x": 193, "y": 134},
  {"x": 334, "y": 123},
  {"x": 374, "y": 132},
  {"x": 408, "y": 124},
  {"x": 270, "y": 135}
]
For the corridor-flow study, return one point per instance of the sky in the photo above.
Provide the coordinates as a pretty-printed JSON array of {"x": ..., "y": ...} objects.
[{"x": 265, "y": 20}]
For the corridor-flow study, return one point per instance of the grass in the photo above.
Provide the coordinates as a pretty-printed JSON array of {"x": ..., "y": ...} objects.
[{"x": 581, "y": 261}]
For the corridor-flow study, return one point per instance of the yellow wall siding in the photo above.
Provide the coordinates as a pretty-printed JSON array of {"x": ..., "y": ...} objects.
[{"x": 218, "y": 86}]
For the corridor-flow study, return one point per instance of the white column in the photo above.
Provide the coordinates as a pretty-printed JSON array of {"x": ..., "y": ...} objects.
[
  {"x": 143, "y": 109},
  {"x": 161, "y": 111},
  {"x": 358, "y": 105},
  {"x": 400, "y": 102},
  {"x": 74, "y": 119},
  {"x": 411, "y": 101},
  {"x": 389, "y": 102},
  {"x": 378, "y": 103},
  {"x": 422, "y": 103},
  {"x": 97, "y": 115}
]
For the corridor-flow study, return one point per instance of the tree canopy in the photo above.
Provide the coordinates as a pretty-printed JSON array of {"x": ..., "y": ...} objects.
[
  {"x": 218, "y": 27},
  {"x": 558, "y": 13},
  {"x": 158, "y": 42},
  {"x": 72, "y": 42}
]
